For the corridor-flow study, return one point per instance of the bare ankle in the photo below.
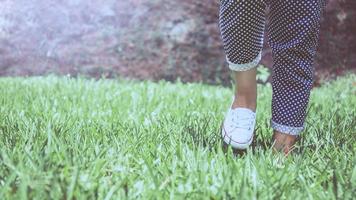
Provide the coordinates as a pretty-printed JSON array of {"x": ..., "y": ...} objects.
[
  {"x": 245, "y": 102},
  {"x": 283, "y": 142}
]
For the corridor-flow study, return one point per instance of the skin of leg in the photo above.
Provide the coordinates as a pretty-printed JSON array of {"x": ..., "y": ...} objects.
[
  {"x": 283, "y": 142},
  {"x": 245, "y": 89}
]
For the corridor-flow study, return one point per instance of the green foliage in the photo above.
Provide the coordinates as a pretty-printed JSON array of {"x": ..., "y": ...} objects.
[
  {"x": 64, "y": 138},
  {"x": 262, "y": 73}
]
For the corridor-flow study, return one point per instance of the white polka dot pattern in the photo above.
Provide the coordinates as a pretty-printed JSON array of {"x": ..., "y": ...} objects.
[
  {"x": 293, "y": 32},
  {"x": 242, "y": 24}
]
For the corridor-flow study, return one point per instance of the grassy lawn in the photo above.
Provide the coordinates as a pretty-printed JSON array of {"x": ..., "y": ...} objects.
[{"x": 63, "y": 138}]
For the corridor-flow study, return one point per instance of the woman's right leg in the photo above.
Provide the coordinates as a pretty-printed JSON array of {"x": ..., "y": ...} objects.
[{"x": 242, "y": 27}]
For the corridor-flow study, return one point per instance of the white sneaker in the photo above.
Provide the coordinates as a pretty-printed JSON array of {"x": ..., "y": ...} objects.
[{"x": 238, "y": 127}]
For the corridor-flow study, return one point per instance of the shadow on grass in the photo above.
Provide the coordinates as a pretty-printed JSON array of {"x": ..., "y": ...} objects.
[{"x": 204, "y": 132}]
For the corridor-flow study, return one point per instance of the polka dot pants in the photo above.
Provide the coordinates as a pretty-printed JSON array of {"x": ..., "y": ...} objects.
[{"x": 293, "y": 32}]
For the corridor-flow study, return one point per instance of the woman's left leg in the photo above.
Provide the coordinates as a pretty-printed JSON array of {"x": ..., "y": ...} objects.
[{"x": 293, "y": 36}]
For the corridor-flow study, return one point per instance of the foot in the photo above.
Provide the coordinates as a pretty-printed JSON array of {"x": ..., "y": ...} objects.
[
  {"x": 238, "y": 127},
  {"x": 284, "y": 142}
]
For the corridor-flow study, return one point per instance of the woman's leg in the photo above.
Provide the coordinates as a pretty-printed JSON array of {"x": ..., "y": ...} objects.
[
  {"x": 242, "y": 26},
  {"x": 293, "y": 36}
]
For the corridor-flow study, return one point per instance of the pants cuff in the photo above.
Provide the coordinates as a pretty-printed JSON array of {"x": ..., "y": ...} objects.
[
  {"x": 244, "y": 66},
  {"x": 290, "y": 130}
]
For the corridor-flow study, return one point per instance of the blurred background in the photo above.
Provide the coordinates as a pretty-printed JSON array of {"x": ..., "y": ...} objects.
[{"x": 144, "y": 39}]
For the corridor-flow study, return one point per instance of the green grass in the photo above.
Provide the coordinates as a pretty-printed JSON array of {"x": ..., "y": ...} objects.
[{"x": 64, "y": 138}]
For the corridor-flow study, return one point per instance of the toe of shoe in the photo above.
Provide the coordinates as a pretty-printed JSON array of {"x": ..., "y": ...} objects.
[{"x": 239, "y": 139}]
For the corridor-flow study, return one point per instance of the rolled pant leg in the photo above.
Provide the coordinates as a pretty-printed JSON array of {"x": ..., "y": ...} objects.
[
  {"x": 242, "y": 25},
  {"x": 293, "y": 36}
]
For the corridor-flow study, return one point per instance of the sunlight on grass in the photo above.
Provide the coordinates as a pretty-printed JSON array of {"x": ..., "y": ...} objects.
[{"x": 64, "y": 138}]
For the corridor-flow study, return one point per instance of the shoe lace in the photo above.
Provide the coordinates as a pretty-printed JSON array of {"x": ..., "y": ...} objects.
[{"x": 244, "y": 122}]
